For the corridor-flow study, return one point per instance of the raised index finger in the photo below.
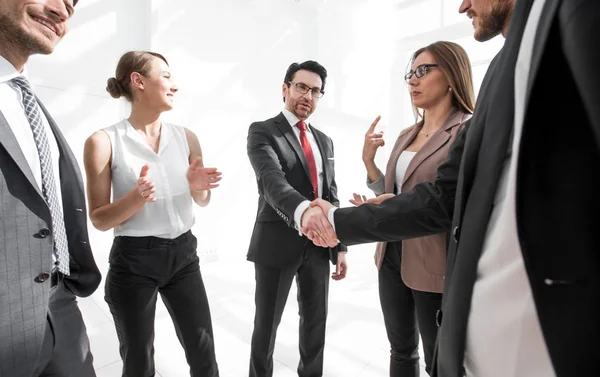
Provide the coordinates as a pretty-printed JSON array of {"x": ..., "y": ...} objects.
[{"x": 374, "y": 124}]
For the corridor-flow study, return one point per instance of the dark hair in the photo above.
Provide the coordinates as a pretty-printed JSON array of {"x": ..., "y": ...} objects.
[
  {"x": 309, "y": 65},
  {"x": 132, "y": 61},
  {"x": 454, "y": 62}
]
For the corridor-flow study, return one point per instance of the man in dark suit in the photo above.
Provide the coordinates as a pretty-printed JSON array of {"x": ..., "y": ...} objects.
[
  {"x": 45, "y": 256},
  {"x": 294, "y": 164},
  {"x": 518, "y": 192}
]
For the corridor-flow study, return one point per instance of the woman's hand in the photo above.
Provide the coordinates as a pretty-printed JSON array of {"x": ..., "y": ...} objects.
[
  {"x": 201, "y": 178},
  {"x": 145, "y": 186},
  {"x": 373, "y": 140},
  {"x": 361, "y": 199}
]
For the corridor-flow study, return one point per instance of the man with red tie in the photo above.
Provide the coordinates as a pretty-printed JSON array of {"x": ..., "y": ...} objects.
[{"x": 294, "y": 164}]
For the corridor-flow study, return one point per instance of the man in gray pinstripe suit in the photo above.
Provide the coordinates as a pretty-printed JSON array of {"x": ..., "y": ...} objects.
[{"x": 45, "y": 256}]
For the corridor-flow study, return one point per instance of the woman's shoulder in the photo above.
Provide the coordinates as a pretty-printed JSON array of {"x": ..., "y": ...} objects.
[{"x": 120, "y": 126}]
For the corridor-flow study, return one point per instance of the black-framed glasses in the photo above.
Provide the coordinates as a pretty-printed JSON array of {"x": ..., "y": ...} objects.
[
  {"x": 419, "y": 72},
  {"x": 303, "y": 89}
]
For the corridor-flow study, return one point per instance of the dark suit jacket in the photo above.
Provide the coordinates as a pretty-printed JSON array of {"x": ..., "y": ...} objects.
[
  {"x": 557, "y": 206},
  {"x": 26, "y": 248},
  {"x": 283, "y": 183}
]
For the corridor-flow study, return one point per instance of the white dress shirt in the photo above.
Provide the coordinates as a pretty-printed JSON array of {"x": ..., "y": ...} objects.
[
  {"x": 172, "y": 214},
  {"x": 504, "y": 337},
  {"x": 293, "y": 120},
  {"x": 11, "y": 106}
]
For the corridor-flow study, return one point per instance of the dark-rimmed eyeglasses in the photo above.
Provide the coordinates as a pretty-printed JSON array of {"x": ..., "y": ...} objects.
[
  {"x": 303, "y": 89},
  {"x": 419, "y": 72}
]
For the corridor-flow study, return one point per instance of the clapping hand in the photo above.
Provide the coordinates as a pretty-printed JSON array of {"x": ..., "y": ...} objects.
[
  {"x": 201, "y": 178},
  {"x": 145, "y": 186}
]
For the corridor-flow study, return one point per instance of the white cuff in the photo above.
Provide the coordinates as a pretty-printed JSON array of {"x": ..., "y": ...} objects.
[
  {"x": 331, "y": 218},
  {"x": 298, "y": 213}
]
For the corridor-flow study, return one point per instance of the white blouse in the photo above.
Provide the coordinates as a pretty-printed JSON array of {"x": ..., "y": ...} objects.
[
  {"x": 402, "y": 166},
  {"x": 172, "y": 213}
]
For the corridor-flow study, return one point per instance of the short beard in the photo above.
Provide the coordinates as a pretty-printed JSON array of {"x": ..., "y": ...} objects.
[
  {"x": 15, "y": 38},
  {"x": 494, "y": 24}
]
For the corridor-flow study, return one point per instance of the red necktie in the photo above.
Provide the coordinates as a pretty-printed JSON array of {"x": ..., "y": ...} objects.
[{"x": 310, "y": 157}]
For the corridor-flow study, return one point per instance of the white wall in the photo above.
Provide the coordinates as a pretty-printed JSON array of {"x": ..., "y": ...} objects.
[{"x": 229, "y": 58}]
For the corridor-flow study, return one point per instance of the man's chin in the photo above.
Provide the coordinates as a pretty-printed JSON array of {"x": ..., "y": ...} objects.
[
  {"x": 483, "y": 35},
  {"x": 38, "y": 45}
]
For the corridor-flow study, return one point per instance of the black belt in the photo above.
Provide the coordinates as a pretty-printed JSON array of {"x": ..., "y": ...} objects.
[
  {"x": 55, "y": 277},
  {"x": 150, "y": 242}
]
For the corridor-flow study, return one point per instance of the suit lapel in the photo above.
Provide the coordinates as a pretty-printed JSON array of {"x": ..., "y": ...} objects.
[
  {"x": 541, "y": 38},
  {"x": 8, "y": 140},
  {"x": 440, "y": 138},
  {"x": 288, "y": 133},
  {"x": 67, "y": 161}
]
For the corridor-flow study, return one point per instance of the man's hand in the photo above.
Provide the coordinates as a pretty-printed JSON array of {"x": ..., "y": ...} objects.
[
  {"x": 361, "y": 199},
  {"x": 323, "y": 204},
  {"x": 315, "y": 226},
  {"x": 341, "y": 268}
]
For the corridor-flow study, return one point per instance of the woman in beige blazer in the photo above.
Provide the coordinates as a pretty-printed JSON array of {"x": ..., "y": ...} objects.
[{"x": 411, "y": 272}]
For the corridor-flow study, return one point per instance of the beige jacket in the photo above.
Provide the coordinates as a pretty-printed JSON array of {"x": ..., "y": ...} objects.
[{"x": 424, "y": 258}]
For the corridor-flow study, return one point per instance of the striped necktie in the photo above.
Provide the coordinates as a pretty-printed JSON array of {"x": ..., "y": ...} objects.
[{"x": 33, "y": 113}]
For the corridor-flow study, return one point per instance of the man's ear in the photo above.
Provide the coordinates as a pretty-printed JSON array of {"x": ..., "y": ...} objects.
[{"x": 284, "y": 91}]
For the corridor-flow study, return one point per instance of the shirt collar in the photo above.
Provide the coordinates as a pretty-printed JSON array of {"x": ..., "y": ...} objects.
[
  {"x": 8, "y": 71},
  {"x": 292, "y": 119}
]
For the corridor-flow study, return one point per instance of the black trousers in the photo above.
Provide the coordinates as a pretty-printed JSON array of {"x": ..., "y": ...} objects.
[
  {"x": 66, "y": 348},
  {"x": 406, "y": 312},
  {"x": 272, "y": 289},
  {"x": 141, "y": 267}
]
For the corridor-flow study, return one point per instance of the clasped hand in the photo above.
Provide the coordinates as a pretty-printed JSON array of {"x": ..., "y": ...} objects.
[{"x": 315, "y": 225}]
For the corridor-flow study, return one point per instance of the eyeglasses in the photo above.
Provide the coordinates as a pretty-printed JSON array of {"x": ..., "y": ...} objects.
[
  {"x": 419, "y": 72},
  {"x": 303, "y": 89}
]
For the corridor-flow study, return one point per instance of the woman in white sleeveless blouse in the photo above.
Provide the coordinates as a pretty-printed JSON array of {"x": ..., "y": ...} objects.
[
  {"x": 411, "y": 272},
  {"x": 156, "y": 173}
]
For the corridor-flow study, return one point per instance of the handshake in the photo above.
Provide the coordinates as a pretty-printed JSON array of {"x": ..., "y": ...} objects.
[{"x": 315, "y": 225}]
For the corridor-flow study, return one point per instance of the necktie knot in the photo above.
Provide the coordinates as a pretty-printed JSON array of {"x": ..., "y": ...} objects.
[
  {"x": 301, "y": 126},
  {"x": 22, "y": 83}
]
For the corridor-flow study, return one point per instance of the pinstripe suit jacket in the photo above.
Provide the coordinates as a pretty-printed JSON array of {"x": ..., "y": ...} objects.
[{"x": 26, "y": 250}]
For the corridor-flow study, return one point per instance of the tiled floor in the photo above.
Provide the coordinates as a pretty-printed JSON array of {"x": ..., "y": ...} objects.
[{"x": 356, "y": 344}]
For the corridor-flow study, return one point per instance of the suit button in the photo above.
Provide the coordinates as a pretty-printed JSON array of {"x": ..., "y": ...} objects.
[
  {"x": 438, "y": 317},
  {"x": 44, "y": 232},
  {"x": 42, "y": 277},
  {"x": 456, "y": 234}
]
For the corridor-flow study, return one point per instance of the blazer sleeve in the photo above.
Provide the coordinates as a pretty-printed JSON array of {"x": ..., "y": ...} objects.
[
  {"x": 426, "y": 209},
  {"x": 270, "y": 177},
  {"x": 333, "y": 195},
  {"x": 378, "y": 185}
]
